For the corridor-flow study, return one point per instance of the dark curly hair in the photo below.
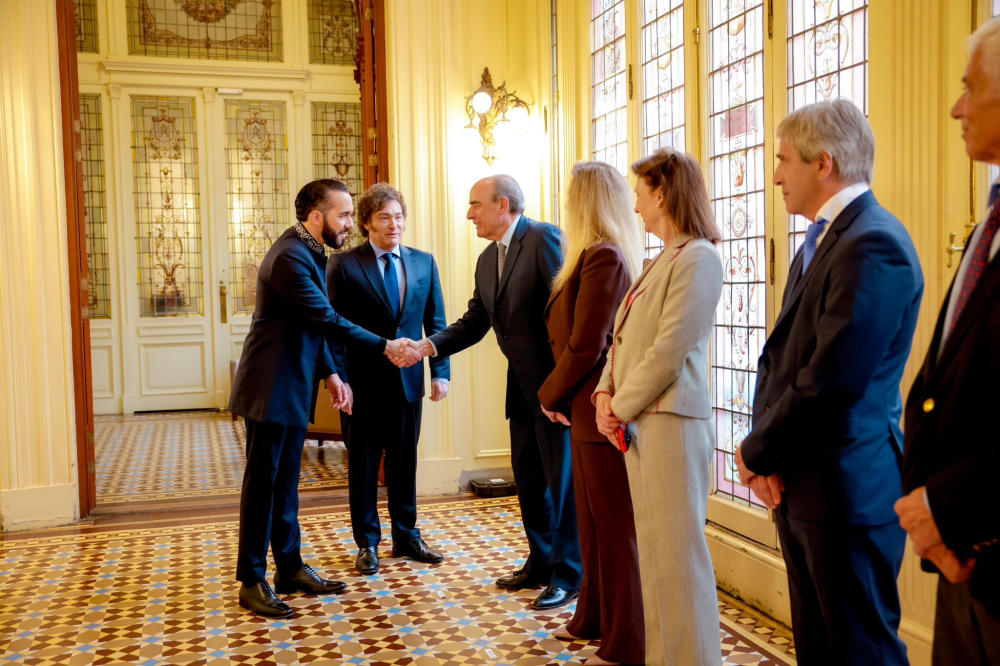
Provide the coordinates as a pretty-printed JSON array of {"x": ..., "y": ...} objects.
[
  {"x": 375, "y": 199},
  {"x": 316, "y": 196}
]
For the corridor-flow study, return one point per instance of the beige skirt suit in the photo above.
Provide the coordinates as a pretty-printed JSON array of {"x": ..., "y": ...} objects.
[{"x": 657, "y": 375}]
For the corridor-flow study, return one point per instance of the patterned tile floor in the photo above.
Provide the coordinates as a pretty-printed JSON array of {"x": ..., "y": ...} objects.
[
  {"x": 166, "y": 596},
  {"x": 190, "y": 454}
]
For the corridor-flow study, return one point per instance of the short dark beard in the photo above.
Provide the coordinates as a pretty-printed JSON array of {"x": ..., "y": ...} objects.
[{"x": 333, "y": 239}]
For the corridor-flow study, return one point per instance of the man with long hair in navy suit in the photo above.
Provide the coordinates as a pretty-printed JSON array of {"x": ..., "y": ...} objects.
[
  {"x": 285, "y": 355},
  {"x": 826, "y": 446},
  {"x": 391, "y": 290}
]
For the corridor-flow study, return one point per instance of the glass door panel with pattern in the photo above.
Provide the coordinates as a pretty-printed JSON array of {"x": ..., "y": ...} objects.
[{"x": 171, "y": 312}]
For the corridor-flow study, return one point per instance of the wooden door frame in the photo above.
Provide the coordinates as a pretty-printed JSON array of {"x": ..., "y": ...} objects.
[
  {"x": 370, "y": 73},
  {"x": 76, "y": 248}
]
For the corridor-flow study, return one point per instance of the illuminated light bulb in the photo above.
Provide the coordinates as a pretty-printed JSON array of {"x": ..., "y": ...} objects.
[
  {"x": 518, "y": 115},
  {"x": 481, "y": 102}
]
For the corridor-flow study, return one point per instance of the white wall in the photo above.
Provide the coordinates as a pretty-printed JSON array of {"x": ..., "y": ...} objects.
[
  {"x": 437, "y": 50},
  {"x": 38, "y": 474}
]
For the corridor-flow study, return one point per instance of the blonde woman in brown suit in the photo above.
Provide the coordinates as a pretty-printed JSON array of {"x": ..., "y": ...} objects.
[
  {"x": 603, "y": 249},
  {"x": 656, "y": 384}
]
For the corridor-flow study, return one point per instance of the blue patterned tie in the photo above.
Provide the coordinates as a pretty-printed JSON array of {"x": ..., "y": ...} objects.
[
  {"x": 391, "y": 282},
  {"x": 809, "y": 247}
]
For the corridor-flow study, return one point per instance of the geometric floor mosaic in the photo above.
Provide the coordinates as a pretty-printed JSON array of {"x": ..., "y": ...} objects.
[
  {"x": 167, "y": 596},
  {"x": 171, "y": 456}
]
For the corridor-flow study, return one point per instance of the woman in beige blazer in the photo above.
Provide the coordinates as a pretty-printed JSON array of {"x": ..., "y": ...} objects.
[{"x": 655, "y": 387}]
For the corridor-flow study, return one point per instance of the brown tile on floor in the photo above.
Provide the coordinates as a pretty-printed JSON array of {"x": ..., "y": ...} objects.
[{"x": 165, "y": 595}]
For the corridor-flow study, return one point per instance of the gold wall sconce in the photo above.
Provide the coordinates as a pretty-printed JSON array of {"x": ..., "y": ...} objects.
[{"x": 489, "y": 106}]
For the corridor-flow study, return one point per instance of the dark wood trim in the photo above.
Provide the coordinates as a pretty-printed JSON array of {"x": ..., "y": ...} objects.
[
  {"x": 76, "y": 246},
  {"x": 374, "y": 98},
  {"x": 381, "y": 94}
]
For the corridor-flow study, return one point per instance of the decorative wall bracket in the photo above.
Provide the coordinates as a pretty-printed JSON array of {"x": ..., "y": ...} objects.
[{"x": 488, "y": 106}]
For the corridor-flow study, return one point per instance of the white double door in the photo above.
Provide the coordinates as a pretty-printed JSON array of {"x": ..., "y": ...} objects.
[{"x": 212, "y": 180}]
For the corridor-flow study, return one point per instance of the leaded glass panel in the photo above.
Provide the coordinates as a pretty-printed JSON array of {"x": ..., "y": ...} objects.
[
  {"x": 257, "y": 163},
  {"x": 827, "y": 59},
  {"x": 168, "y": 224},
  {"x": 212, "y": 29},
  {"x": 333, "y": 25},
  {"x": 86, "y": 25},
  {"x": 338, "y": 150},
  {"x": 663, "y": 83},
  {"x": 95, "y": 207},
  {"x": 609, "y": 87},
  {"x": 736, "y": 186}
]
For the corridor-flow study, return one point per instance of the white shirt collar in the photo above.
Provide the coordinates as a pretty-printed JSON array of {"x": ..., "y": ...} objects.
[
  {"x": 841, "y": 200},
  {"x": 379, "y": 251},
  {"x": 510, "y": 233}
]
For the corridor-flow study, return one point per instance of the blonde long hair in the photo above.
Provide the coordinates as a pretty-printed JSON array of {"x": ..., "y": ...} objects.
[{"x": 599, "y": 207}]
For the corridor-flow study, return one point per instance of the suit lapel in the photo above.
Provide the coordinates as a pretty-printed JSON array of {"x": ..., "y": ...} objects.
[
  {"x": 369, "y": 264},
  {"x": 512, "y": 252},
  {"x": 985, "y": 292},
  {"x": 409, "y": 275},
  {"x": 837, "y": 227}
]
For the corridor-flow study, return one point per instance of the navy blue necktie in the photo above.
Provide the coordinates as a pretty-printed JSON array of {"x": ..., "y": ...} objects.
[
  {"x": 391, "y": 282},
  {"x": 812, "y": 236}
]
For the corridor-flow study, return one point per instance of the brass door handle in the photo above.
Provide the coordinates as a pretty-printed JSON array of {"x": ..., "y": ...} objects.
[
  {"x": 223, "y": 290},
  {"x": 952, "y": 248}
]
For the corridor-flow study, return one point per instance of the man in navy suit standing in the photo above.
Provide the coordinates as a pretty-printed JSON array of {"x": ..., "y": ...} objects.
[
  {"x": 284, "y": 357},
  {"x": 391, "y": 290},
  {"x": 513, "y": 282},
  {"x": 826, "y": 446}
]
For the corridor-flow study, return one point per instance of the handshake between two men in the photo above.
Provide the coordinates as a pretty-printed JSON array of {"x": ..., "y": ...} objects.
[{"x": 403, "y": 352}]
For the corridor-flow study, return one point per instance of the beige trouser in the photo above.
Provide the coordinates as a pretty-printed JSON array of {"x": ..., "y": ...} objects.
[{"x": 668, "y": 473}]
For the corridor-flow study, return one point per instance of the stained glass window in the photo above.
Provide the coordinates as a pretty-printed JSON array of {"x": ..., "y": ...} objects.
[
  {"x": 662, "y": 83},
  {"x": 332, "y": 28},
  {"x": 994, "y": 169},
  {"x": 737, "y": 182},
  {"x": 94, "y": 206},
  {"x": 554, "y": 124},
  {"x": 86, "y": 26},
  {"x": 609, "y": 86},
  {"x": 257, "y": 163},
  {"x": 338, "y": 149},
  {"x": 827, "y": 59},
  {"x": 168, "y": 226},
  {"x": 216, "y": 29}
]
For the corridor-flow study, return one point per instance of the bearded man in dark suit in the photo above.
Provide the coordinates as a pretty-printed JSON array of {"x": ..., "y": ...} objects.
[{"x": 284, "y": 357}]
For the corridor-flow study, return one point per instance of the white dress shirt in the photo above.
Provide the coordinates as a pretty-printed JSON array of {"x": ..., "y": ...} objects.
[
  {"x": 508, "y": 235},
  {"x": 836, "y": 205},
  {"x": 397, "y": 264}
]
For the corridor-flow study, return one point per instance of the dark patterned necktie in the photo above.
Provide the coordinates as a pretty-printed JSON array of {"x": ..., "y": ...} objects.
[
  {"x": 978, "y": 262},
  {"x": 501, "y": 257}
]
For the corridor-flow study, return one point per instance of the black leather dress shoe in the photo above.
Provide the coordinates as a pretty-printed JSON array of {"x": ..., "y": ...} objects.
[
  {"x": 416, "y": 549},
  {"x": 261, "y": 600},
  {"x": 367, "y": 560},
  {"x": 306, "y": 580},
  {"x": 553, "y": 597},
  {"x": 518, "y": 580}
]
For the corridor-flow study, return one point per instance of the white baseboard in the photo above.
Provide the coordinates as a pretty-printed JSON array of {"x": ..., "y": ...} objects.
[
  {"x": 31, "y": 508},
  {"x": 751, "y": 573},
  {"x": 438, "y": 476}
]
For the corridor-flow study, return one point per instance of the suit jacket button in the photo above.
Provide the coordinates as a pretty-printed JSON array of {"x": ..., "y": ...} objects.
[
  {"x": 618, "y": 340},
  {"x": 505, "y": 337},
  {"x": 929, "y": 405}
]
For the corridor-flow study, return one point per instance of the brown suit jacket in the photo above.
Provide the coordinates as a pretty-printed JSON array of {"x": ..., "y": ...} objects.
[{"x": 579, "y": 318}]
